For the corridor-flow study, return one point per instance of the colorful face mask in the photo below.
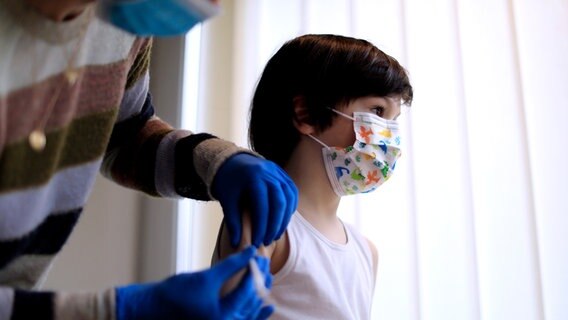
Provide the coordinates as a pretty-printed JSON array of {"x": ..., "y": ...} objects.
[
  {"x": 156, "y": 17},
  {"x": 367, "y": 164}
]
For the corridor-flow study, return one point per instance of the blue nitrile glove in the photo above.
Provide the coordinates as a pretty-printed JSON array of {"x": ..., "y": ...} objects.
[
  {"x": 196, "y": 295},
  {"x": 256, "y": 313},
  {"x": 264, "y": 266},
  {"x": 246, "y": 181}
]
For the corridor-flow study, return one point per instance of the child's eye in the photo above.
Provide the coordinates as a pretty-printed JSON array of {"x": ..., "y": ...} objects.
[{"x": 379, "y": 111}]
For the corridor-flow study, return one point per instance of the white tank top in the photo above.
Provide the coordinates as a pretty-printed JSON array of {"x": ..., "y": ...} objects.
[{"x": 322, "y": 279}]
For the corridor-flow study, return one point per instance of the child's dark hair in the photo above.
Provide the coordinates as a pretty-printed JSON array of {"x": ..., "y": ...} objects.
[{"x": 325, "y": 71}]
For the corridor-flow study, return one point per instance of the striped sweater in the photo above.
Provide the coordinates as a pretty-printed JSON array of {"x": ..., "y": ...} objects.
[{"x": 103, "y": 121}]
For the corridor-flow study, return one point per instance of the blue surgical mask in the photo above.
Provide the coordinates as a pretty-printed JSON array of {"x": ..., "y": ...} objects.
[{"x": 156, "y": 17}]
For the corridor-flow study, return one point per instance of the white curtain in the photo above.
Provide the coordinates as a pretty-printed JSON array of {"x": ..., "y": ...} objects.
[{"x": 474, "y": 223}]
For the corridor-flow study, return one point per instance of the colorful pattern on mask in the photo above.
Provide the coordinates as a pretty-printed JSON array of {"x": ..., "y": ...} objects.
[{"x": 367, "y": 164}]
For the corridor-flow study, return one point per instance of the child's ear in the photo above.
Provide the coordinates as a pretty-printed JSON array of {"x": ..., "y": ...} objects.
[{"x": 301, "y": 116}]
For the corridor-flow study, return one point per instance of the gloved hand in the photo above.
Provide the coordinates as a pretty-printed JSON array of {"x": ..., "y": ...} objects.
[
  {"x": 261, "y": 186},
  {"x": 196, "y": 295},
  {"x": 265, "y": 312}
]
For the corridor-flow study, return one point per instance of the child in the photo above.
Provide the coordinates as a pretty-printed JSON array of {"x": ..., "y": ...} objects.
[{"x": 325, "y": 110}]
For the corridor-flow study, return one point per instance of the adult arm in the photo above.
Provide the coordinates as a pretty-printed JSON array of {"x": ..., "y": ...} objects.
[
  {"x": 184, "y": 296},
  {"x": 24, "y": 304},
  {"x": 147, "y": 154}
]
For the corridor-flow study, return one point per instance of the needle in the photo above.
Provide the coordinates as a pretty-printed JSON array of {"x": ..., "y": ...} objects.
[{"x": 259, "y": 285}]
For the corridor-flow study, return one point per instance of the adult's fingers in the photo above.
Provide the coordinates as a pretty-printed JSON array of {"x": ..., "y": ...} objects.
[
  {"x": 291, "y": 194},
  {"x": 233, "y": 264},
  {"x": 265, "y": 312},
  {"x": 259, "y": 270},
  {"x": 250, "y": 310},
  {"x": 263, "y": 264},
  {"x": 277, "y": 206},
  {"x": 233, "y": 220},
  {"x": 259, "y": 211},
  {"x": 238, "y": 302}
]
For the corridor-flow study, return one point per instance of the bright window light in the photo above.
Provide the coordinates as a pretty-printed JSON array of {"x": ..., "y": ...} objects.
[{"x": 189, "y": 120}]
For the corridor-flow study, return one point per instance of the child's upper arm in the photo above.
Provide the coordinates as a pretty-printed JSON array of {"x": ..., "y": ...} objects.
[
  {"x": 224, "y": 245},
  {"x": 224, "y": 249}
]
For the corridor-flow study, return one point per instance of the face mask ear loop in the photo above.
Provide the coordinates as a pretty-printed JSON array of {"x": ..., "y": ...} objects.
[
  {"x": 342, "y": 114},
  {"x": 319, "y": 141}
]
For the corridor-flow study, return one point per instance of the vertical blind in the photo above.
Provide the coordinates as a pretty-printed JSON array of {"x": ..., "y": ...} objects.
[{"x": 473, "y": 224}]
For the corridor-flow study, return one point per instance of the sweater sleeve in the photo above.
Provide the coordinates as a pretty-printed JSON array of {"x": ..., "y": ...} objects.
[
  {"x": 22, "y": 304},
  {"x": 145, "y": 153}
]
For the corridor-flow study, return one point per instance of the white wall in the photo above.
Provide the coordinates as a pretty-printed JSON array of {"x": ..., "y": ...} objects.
[{"x": 102, "y": 250}]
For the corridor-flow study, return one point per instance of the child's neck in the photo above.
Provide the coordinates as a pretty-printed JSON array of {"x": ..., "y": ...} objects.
[
  {"x": 318, "y": 202},
  {"x": 324, "y": 219}
]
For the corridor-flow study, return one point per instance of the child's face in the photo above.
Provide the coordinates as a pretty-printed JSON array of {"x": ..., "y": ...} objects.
[{"x": 341, "y": 133}]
